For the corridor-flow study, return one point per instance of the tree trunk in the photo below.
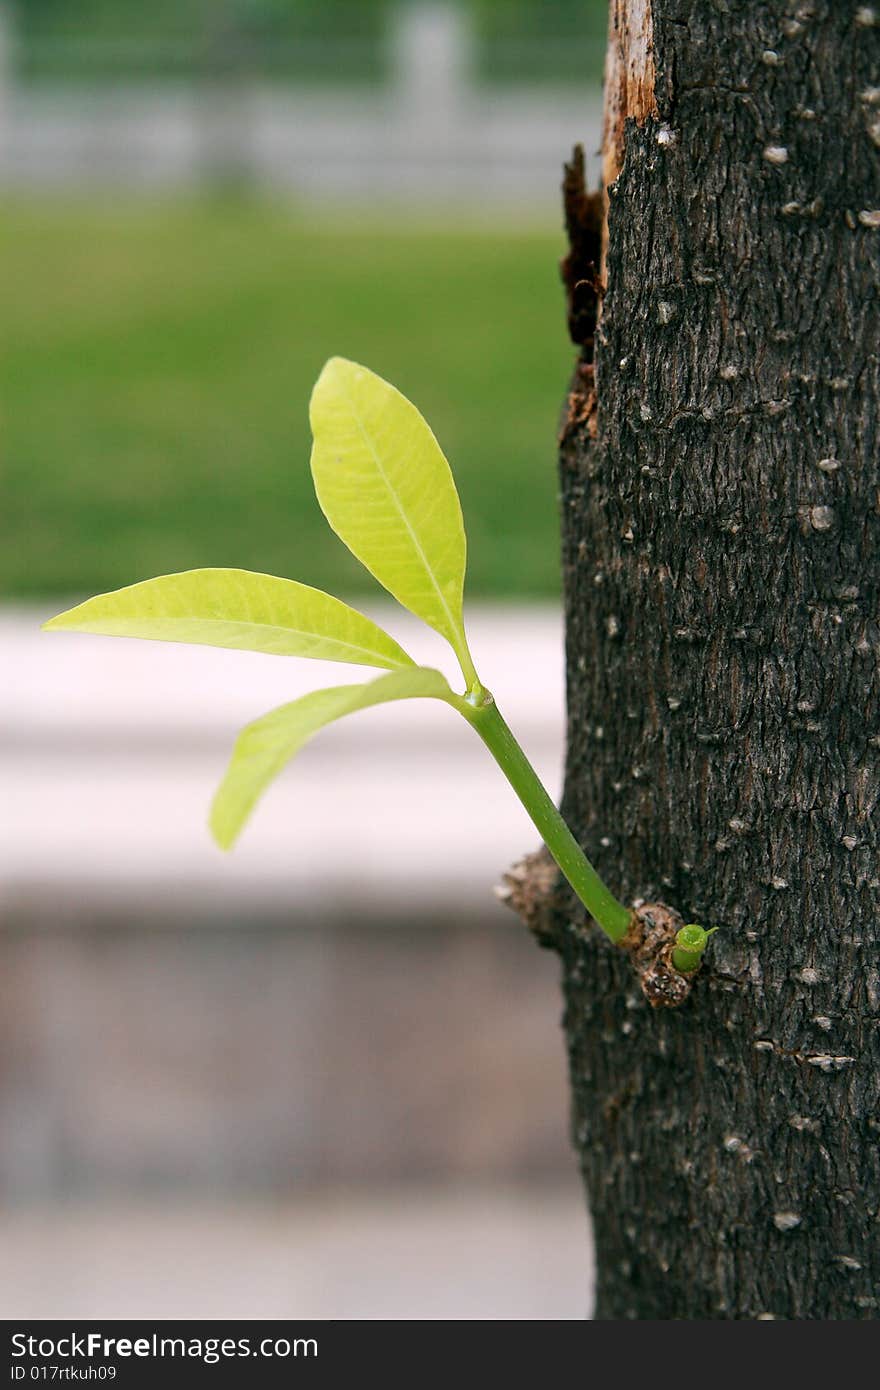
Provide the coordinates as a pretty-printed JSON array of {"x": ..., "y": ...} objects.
[{"x": 721, "y": 517}]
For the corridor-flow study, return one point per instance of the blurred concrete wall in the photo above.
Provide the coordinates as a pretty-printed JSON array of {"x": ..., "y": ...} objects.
[{"x": 266, "y": 1057}]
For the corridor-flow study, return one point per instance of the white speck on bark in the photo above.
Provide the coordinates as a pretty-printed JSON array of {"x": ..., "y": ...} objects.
[
  {"x": 809, "y": 975},
  {"x": 870, "y": 217},
  {"x": 776, "y": 154},
  {"x": 821, "y": 518},
  {"x": 733, "y": 1144},
  {"x": 803, "y": 1122},
  {"x": 786, "y": 1220},
  {"x": 824, "y": 1022},
  {"x": 827, "y": 1063},
  {"x": 829, "y": 465},
  {"x": 866, "y": 16}
]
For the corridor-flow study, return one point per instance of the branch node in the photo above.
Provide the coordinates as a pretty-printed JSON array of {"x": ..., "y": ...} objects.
[{"x": 650, "y": 942}]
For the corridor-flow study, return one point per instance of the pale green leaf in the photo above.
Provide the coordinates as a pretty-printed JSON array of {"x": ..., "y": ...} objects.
[
  {"x": 386, "y": 489},
  {"x": 262, "y": 748},
  {"x": 236, "y": 608}
]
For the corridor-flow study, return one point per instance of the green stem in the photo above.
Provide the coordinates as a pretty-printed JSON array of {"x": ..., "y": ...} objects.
[{"x": 611, "y": 916}]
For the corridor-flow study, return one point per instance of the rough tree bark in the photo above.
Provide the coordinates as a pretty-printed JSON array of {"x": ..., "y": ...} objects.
[{"x": 721, "y": 520}]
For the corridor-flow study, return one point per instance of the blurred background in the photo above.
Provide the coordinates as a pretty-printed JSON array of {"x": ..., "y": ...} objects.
[{"x": 323, "y": 1076}]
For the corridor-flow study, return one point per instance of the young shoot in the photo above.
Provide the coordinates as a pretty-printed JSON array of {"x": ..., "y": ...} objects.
[{"x": 386, "y": 489}]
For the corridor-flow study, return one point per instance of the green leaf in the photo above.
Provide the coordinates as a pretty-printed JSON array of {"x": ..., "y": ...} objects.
[
  {"x": 236, "y": 608},
  {"x": 387, "y": 491},
  {"x": 262, "y": 748}
]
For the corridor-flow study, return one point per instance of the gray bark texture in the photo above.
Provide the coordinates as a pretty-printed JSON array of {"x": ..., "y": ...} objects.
[{"x": 721, "y": 534}]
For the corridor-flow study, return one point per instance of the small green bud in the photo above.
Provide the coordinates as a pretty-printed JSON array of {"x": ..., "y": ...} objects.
[{"x": 690, "y": 943}]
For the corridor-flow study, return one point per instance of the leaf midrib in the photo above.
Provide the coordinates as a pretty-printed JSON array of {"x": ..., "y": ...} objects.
[
  {"x": 264, "y": 627},
  {"x": 454, "y": 627}
]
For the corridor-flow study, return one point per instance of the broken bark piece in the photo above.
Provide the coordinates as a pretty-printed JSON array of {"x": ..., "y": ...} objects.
[
  {"x": 533, "y": 888},
  {"x": 580, "y": 404},
  {"x": 584, "y": 223}
]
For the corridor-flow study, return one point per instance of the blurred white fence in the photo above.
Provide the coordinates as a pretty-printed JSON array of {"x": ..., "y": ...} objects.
[
  {"x": 430, "y": 134},
  {"x": 111, "y": 752}
]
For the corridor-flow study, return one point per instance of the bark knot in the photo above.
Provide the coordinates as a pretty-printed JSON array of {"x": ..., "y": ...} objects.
[{"x": 649, "y": 941}]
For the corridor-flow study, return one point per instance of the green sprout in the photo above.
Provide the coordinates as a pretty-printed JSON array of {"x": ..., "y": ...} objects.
[
  {"x": 386, "y": 489},
  {"x": 690, "y": 943}
]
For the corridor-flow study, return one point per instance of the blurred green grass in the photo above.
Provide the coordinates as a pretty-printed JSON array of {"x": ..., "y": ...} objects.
[{"x": 156, "y": 366}]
